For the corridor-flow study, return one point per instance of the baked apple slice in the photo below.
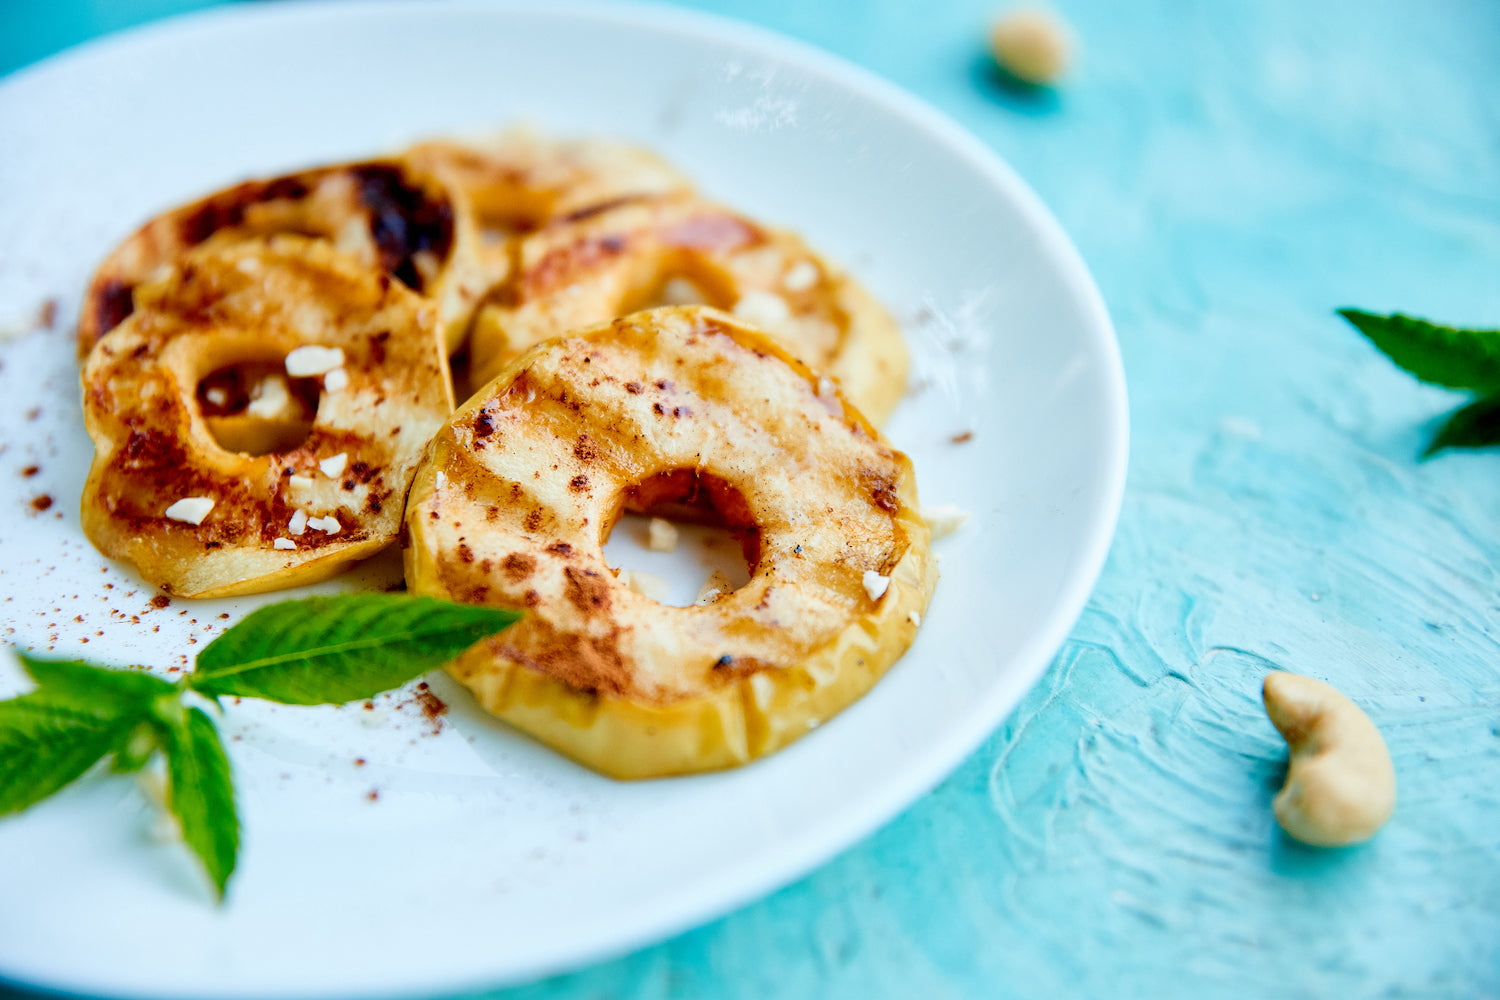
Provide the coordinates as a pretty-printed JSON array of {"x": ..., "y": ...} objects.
[
  {"x": 681, "y": 409},
  {"x": 258, "y": 417}
]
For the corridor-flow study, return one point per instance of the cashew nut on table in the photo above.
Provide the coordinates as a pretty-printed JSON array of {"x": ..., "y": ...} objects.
[{"x": 1341, "y": 787}]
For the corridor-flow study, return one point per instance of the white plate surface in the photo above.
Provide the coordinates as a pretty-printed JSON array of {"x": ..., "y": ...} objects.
[{"x": 485, "y": 859}]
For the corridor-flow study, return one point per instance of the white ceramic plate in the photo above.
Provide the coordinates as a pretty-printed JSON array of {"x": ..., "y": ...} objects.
[{"x": 485, "y": 859}]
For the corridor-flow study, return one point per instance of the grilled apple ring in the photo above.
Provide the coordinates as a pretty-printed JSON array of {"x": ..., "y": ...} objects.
[
  {"x": 200, "y": 519},
  {"x": 387, "y": 214},
  {"x": 678, "y": 250},
  {"x": 519, "y": 181},
  {"x": 684, "y": 407}
]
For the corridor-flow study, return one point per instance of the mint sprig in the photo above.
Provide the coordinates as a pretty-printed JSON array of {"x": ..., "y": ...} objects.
[
  {"x": 330, "y": 650},
  {"x": 321, "y": 650},
  {"x": 1451, "y": 357}
]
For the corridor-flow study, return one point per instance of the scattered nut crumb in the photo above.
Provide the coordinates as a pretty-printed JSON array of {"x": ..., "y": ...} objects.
[
  {"x": 311, "y": 359},
  {"x": 646, "y": 584},
  {"x": 270, "y": 398},
  {"x": 800, "y": 276},
  {"x": 943, "y": 519},
  {"x": 682, "y": 292},
  {"x": 716, "y": 586},
  {"x": 190, "y": 510},
  {"x": 875, "y": 584},
  {"x": 766, "y": 310},
  {"x": 661, "y": 535}
]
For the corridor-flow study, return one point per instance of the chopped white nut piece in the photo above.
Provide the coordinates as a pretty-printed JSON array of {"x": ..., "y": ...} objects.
[
  {"x": 298, "y": 524},
  {"x": 875, "y": 584},
  {"x": 440, "y": 480},
  {"x": 190, "y": 510},
  {"x": 336, "y": 380},
  {"x": 283, "y": 543},
  {"x": 216, "y": 396},
  {"x": 311, "y": 359},
  {"x": 716, "y": 586},
  {"x": 328, "y": 525},
  {"x": 334, "y": 467},
  {"x": 682, "y": 292},
  {"x": 661, "y": 535},
  {"x": 646, "y": 584},
  {"x": 943, "y": 519},
  {"x": 800, "y": 277},
  {"x": 766, "y": 310},
  {"x": 270, "y": 398},
  {"x": 915, "y": 617},
  {"x": 299, "y": 482}
]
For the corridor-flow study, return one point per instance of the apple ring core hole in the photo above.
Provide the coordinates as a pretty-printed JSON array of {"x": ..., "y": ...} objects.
[
  {"x": 255, "y": 408},
  {"x": 717, "y": 542}
]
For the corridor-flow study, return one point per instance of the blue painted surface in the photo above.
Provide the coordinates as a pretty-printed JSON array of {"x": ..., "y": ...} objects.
[{"x": 1232, "y": 172}]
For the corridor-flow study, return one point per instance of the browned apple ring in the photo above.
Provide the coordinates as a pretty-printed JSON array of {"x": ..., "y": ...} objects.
[
  {"x": 314, "y": 474},
  {"x": 679, "y": 250},
  {"x": 386, "y": 214},
  {"x": 519, "y": 181},
  {"x": 676, "y": 406}
]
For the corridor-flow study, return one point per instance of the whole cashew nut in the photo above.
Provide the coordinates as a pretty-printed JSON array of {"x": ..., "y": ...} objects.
[{"x": 1341, "y": 787}]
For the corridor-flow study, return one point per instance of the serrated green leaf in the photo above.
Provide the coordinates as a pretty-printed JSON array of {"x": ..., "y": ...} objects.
[
  {"x": 45, "y": 746},
  {"x": 1474, "y": 426},
  {"x": 1442, "y": 355},
  {"x": 331, "y": 650},
  {"x": 99, "y": 691},
  {"x": 76, "y": 715},
  {"x": 202, "y": 791}
]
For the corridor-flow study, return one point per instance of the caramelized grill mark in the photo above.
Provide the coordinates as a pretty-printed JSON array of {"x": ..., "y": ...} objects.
[
  {"x": 558, "y": 267},
  {"x": 711, "y": 232},
  {"x": 882, "y": 489},
  {"x": 113, "y": 305},
  {"x": 404, "y": 221},
  {"x": 518, "y": 565},
  {"x": 586, "y": 589}
]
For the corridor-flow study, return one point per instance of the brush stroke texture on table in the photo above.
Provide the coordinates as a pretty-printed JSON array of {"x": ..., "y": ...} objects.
[{"x": 1231, "y": 172}]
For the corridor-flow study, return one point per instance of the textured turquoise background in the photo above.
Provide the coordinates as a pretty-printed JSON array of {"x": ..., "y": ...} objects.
[{"x": 1232, "y": 171}]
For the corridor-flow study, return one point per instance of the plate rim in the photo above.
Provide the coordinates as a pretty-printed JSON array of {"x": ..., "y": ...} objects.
[{"x": 673, "y": 913}]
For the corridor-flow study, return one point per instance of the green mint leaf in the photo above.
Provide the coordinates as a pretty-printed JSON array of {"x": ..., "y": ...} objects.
[
  {"x": 1474, "y": 426},
  {"x": 77, "y": 714},
  {"x": 86, "y": 688},
  {"x": 1442, "y": 355},
  {"x": 202, "y": 790},
  {"x": 44, "y": 746},
  {"x": 331, "y": 650}
]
